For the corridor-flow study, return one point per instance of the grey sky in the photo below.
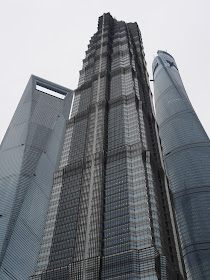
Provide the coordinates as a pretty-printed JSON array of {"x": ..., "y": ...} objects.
[{"x": 49, "y": 38}]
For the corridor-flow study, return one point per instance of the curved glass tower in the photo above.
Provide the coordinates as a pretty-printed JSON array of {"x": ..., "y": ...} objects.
[{"x": 186, "y": 153}]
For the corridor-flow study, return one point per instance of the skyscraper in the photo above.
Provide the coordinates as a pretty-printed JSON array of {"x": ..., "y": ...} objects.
[
  {"x": 110, "y": 215},
  {"x": 186, "y": 153},
  {"x": 29, "y": 155}
]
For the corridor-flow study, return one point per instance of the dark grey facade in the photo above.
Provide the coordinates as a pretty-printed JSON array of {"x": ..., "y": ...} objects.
[
  {"x": 29, "y": 155},
  {"x": 186, "y": 153},
  {"x": 110, "y": 215}
]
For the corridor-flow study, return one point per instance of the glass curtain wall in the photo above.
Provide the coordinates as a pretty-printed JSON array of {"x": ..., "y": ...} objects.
[{"x": 110, "y": 216}]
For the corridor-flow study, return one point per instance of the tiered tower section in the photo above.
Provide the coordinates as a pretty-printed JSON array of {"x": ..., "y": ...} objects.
[{"x": 109, "y": 215}]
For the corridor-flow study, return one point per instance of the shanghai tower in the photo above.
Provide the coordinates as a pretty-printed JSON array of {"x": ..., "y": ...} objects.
[
  {"x": 110, "y": 215},
  {"x": 186, "y": 153}
]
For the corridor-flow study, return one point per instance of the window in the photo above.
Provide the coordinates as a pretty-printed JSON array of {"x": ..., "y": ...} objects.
[{"x": 50, "y": 91}]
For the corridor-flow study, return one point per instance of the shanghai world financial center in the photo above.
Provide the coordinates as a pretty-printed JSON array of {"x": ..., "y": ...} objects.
[{"x": 111, "y": 212}]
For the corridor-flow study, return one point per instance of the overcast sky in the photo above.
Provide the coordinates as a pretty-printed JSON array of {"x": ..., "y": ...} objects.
[{"x": 48, "y": 38}]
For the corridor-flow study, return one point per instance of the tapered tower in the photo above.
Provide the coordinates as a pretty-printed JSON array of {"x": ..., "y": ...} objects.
[
  {"x": 110, "y": 214},
  {"x": 29, "y": 155},
  {"x": 186, "y": 153}
]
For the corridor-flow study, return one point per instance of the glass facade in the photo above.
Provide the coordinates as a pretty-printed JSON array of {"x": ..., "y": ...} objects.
[
  {"x": 29, "y": 155},
  {"x": 186, "y": 153},
  {"x": 110, "y": 213}
]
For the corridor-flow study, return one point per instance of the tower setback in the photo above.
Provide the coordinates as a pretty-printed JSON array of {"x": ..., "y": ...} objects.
[{"x": 110, "y": 215}]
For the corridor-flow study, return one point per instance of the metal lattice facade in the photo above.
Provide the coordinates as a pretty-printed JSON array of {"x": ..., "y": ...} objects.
[
  {"x": 109, "y": 216},
  {"x": 29, "y": 155},
  {"x": 186, "y": 153}
]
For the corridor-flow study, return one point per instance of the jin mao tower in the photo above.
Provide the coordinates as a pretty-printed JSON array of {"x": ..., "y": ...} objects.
[{"x": 110, "y": 215}]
